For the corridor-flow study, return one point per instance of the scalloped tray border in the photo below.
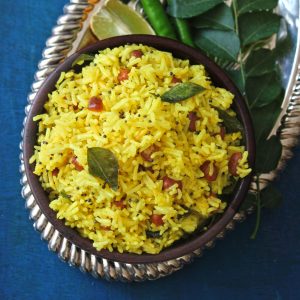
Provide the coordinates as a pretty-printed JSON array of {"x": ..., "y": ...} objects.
[{"x": 58, "y": 46}]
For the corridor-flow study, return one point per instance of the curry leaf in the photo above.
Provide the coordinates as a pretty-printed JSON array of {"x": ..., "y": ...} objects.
[
  {"x": 238, "y": 78},
  {"x": 153, "y": 234},
  {"x": 65, "y": 195},
  {"x": 231, "y": 123},
  {"x": 270, "y": 197},
  {"x": 284, "y": 44},
  {"x": 249, "y": 201},
  {"x": 182, "y": 91},
  {"x": 256, "y": 26},
  {"x": 188, "y": 9},
  {"x": 103, "y": 163},
  {"x": 254, "y": 5},
  {"x": 220, "y": 18},
  {"x": 260, "y": 62},
  {"x": 82, "y": 59},
  {"x": 265, "y": 117},
  {"x": 229, "y": 188},
  {"x": 222, "y": 44},
  {"x": 268, "y": 154},
  {"x": 262, "y": 90}
]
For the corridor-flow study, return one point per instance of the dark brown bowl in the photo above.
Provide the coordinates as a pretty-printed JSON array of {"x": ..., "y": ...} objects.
[{"x": 218, "y": 77}]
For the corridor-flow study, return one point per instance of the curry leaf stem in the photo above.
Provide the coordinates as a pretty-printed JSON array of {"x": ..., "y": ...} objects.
[
  {"x": 258, "y": 209},
  {"x": 240, "y": 55}
]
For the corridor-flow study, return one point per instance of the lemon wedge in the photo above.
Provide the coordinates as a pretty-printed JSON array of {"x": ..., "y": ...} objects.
[{"x": 116, "y": 18}]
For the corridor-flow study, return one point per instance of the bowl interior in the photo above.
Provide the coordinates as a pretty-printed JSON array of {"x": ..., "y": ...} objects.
[{"x": 178, "y": 50}]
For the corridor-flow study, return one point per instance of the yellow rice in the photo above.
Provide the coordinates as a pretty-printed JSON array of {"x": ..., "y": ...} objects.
[{"x": 134, "y": 118}]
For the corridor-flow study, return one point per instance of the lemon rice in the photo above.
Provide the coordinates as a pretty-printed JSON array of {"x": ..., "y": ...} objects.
[{"x": 175, "y": 159}]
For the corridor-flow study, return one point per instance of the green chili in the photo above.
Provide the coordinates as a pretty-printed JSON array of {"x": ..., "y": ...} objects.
[
  {"x": 158, "y": 18},
  {"x": 183, "y": 31}
]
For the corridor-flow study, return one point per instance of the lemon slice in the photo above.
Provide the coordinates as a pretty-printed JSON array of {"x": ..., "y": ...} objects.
[{"x": 116, "y": 18}]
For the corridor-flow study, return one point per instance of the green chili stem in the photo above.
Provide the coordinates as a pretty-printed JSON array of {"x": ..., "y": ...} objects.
[
  {"x": 158, "y": 18},
  {"x": 258, "y": 209}
]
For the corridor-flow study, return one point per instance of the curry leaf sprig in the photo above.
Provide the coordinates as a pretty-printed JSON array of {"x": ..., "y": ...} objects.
[{"x": 237, "y": 36}]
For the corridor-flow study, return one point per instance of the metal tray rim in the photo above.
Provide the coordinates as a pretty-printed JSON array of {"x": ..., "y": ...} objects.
[{"x": 59, "y": 46}]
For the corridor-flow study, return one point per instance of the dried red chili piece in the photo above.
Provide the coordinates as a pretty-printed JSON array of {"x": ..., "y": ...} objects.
[
  {"x": 193, "y": 118},
  {"x": 157, "y": 219},
  {"x": 222, "y": 132},
  {"x": 168, "y": 182},
  {"x": 146, "y": 154},
  {"x": 105, "y": 228},
  {"x": 55, "y": 172},
  {"x": 95, "y": 104},
  {"x": 123, "y": 74},
  {"x": 137, "y": 53},
  {"x": 234, "y": 162},
  {"x": 176, "y": 80},
  {"x": 206, "y": 169},
  {"x": 76, "y": 164},
  {"x": 121, "y": 203}
]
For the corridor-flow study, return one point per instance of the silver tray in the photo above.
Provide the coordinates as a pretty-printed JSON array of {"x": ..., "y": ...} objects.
[{"x": 65, "y": 39}]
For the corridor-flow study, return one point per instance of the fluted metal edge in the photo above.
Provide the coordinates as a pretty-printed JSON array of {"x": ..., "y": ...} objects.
[{"x": 57, "y": 48}]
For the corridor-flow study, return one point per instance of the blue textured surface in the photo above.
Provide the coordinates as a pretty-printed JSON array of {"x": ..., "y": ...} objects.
[{"x": 237, "y": 268}]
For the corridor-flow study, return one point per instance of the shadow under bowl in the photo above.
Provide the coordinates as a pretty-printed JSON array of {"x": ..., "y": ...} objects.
[{"x": 219, "y": 78}]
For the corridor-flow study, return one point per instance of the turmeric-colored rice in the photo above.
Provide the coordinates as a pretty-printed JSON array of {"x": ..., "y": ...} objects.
[{"x": 134, "y": 118}]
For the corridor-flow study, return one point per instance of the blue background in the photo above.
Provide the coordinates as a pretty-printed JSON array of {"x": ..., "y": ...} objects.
[{"x": 237, "y": 268}]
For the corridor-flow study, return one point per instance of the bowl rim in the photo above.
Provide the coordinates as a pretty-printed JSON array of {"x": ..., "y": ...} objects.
[{"x": 219, "y": 78}]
